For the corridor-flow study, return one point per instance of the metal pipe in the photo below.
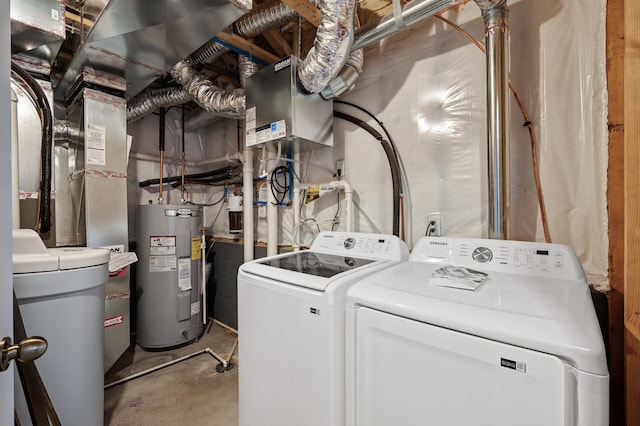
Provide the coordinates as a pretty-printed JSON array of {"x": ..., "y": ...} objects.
[
  {"x": 412, "y": 12},
  {"x": 203, "y": 260},
  {"x": 161, "y": 146},
  {"x": 495, "y": 14},
  {"x": 222, "y": 361},
  {"x": 182, "y": 199}
]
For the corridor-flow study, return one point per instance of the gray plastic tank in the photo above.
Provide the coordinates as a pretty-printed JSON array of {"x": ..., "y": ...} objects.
[
  {"x": 60, "y": 293},
  {"x": 169, "y": 307}
]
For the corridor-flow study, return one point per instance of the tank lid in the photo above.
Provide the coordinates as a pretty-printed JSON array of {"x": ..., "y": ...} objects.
[{"x": 31, "y": 255}]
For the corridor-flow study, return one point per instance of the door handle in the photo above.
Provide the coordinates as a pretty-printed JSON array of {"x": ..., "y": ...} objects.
[{"x": 27, "y": 350}]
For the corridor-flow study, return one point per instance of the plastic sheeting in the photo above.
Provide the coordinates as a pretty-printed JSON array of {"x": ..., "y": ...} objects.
[{"x": 427, "y": 84}]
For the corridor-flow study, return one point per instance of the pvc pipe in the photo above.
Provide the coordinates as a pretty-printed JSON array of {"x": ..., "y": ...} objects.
[
  {"x": 348, "y": 196},
  {"x": 15, "y": 162},
  {"x": 225, "y": 326},
  {"x": 296, "y": 198},
  {"x": 247, "y": 202},
  {"x": 272, "y": 215}
]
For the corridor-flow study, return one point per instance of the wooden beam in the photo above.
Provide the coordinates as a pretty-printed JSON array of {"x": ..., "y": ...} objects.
[
  {"x": 247, "y": 46},
  {"x": 277, "y": 42},
  {"x": 305, "y": 9},
  {"x": 615, "y": 203},
  {"x": 632, "y": 209}
]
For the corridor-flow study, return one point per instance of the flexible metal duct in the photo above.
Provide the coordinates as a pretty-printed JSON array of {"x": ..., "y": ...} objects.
[
  {"x": 495, "y": 14},
  {"x": 347, "y": 77},
  {"x": 247, "y": 68},
  {"x": 210, "y": 51},
  {"x": 205, "y": 93},
  {"x": 265, "y": 17},
  {"x": 331, "y": 46},
  {"x": 148, "y": 101}
]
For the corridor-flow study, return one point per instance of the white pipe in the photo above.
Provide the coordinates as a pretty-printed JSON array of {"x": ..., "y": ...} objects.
[
  {"x": 15, "y": 174},
  {"x": 225, "y": 326},
  {"x": 247, "y": 202},
  {"x": 348, "y": 196},
  {"x": 272, "y": 214},
  {"x": 296, "y": 198}
]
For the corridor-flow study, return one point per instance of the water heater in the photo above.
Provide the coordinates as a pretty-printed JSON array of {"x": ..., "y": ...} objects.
[{"x": 168, "y": 293}]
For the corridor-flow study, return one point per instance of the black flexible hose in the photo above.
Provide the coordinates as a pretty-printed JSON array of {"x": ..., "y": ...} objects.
[
  {"x": 393, "y": 164},
  {"x": 225, "y": 170},
  {"x": 210, "y": 179},
  {"x": 45, "y": 151}
]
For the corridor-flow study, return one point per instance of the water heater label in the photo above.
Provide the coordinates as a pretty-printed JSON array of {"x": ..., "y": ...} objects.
[
  {"x": 184, "y": 273},
  {"x": 195, "y": 248},
  {"x": 162, "y": 263},
  {"x": 163, "y": 241},
  {"x": 195, "y": 308}
]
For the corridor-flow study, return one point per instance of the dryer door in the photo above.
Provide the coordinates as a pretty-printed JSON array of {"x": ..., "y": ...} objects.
[{"x": 411, "y": 373}]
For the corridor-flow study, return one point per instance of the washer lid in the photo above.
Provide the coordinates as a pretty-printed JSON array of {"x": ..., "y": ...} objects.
[
  {"x": 550, "y": 312},
  {"x": 31, "y": 255}
]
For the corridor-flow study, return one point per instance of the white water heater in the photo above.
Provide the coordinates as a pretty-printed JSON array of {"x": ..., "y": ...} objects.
[{"x": 168, "y": 290}]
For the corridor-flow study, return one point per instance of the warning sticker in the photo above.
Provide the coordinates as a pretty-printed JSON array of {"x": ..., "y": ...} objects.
[
  {"x": 162, "y": 263},
  {"x": 117, "y": 320},
  {"x": 195, "y": 248},
  {"x": 195, "y": 308},
  {"x": 184, "y": 273}
]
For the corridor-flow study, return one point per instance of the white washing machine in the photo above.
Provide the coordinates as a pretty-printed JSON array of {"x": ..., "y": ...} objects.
[
  {"x": 291, "y": 327},
  {"x": 476, "y": 332}
]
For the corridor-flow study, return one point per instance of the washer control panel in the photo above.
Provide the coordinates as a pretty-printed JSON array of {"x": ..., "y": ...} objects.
[
  {"x": 500, "y": 255},
  {"x": 377, "y": 246}
]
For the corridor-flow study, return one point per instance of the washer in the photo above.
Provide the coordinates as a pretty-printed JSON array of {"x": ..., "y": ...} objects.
[
  {"x": 523, "y": 348},
  {"x": 291, "y": 327}
]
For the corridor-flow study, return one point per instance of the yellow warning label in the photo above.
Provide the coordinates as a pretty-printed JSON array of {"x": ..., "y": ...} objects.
[{"x": 195, "y": 248}]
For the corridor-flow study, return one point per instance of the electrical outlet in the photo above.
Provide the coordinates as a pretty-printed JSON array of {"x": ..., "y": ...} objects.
[
  {"x": 340, "y": 167},
  {"x": 434, "y": 225}
]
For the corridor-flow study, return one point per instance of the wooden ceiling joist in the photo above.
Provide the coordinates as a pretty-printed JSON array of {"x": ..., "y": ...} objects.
[
  {"x": 247, "y": 46},
  {"x": 277, "y": 42},
  {"x": 305, "y": 9}
]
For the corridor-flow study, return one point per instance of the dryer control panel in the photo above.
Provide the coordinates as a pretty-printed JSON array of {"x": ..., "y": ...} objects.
[{"x": 554, "y": 260}]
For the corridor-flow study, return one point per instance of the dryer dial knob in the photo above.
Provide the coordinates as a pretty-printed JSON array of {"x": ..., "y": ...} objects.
[{"x": 482, "y": 255}]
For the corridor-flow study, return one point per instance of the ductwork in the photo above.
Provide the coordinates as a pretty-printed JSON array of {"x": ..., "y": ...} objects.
[
  {"x": 205, "y": 93},
  {"x": 247, "y": 68},
  {"x": 265, "y": 17},
  {"x": 331, "y": 46},
  {"x": 65, "y": 131},
  {"x": 347, "y": 77},
  {"x": 148, "y": 101},
  {"x": 495, "y": 14}
]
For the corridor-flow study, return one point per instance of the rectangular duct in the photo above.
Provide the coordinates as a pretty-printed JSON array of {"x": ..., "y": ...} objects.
[
  {"x": 37, "y": 27},
  {"x": 142, "y": 40},
  {"x": 98, "y": 198},
  {"x": 278, "y": 111}
]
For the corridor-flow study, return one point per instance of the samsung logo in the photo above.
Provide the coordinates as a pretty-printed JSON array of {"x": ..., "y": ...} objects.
[
  {"x": 438, "y": 243},
  {"x": 513, "y": 365},
  {"x": 282, "y": 64}
]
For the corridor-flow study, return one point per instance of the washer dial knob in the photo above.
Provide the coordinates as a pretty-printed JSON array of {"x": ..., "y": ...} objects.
[
  {"x": 349, "y": 243},
  {"x": 482, "y": 255}
]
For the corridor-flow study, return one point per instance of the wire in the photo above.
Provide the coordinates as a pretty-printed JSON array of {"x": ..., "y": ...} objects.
[
  {"x": 527, "y": 123},
  {"x": 207, "y": 204},
  {"x": 279, "y": 189}
]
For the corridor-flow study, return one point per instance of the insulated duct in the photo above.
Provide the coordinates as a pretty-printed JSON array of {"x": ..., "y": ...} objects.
[
  {"x": 247, "y": 68},
  {"x": 331, "y": 46},
  {"x": 148, "y": 101},
  {"x": 347, "y": 77},
  {"x": 265, "y": 17},
  {"x": 495, "y": 14}
]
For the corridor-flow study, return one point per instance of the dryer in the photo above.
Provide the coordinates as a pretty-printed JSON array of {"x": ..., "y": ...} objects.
[
  {"x": 291, "y": 327},
  {"x": 476, "y": 332}
]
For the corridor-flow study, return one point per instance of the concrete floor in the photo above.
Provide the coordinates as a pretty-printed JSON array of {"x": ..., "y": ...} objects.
[{"x": 190, "y": 392}]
